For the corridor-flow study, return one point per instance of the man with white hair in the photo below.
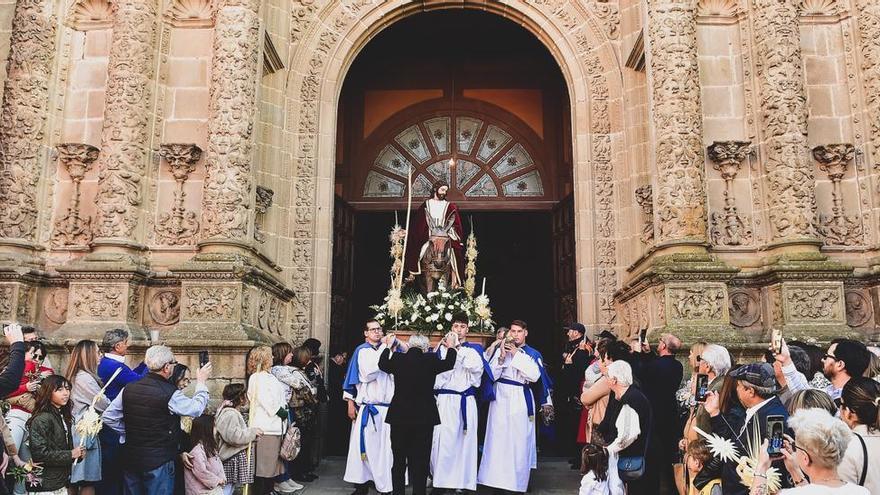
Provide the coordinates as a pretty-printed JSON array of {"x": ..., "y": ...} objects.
[
  {"x": 146, "y": 414},
  {"x": 632, "y": 422},
  {"x": 413, "y": 411}
]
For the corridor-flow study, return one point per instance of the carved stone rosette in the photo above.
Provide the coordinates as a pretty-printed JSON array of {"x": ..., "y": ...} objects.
[
  {"x": 645, "y": 199},
  {"x": 264, "y": 201},
  {"x": 677, "y": 118},
  {"x": 783, "y": 101},
  {"x": 23, "y": 116},
  {"x": 227, "y": 191},
  {"x": 729, "y": 228},
  {"x": 127, "y": 111},
  {"x": 180, "y": 226},
  {"x": 837, "y": 228},
  {"x": 72, "y": 229}
]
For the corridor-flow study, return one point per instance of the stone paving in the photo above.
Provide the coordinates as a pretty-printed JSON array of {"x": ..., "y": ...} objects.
[{"x": 553, "y": 477}]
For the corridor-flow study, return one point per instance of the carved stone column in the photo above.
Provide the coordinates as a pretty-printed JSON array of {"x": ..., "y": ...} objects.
[
  {"x": 869, "y": 36},
  {"x": 788, "y": 173},
  {"x": 226, "y": 209},
  {"x": 680, "y": 196},
  {"x": 23, "y": 119},
  {"x": 645, "y": 199},
  {"x": 127, "y": 112},
  {"x": 264, "y": 201},
  {"x": 180, "y": 226},
  {"x": 72, "y": 229},
  {"x": 729, "y": 228},
  {"x": 838, "y": 228}
]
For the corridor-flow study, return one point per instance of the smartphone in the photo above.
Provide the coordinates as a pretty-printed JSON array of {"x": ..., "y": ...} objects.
[
  {"x": 643, "y": 336},
  {"x": 203, "y": 358},
  {"x": 702, "y": 387},
  {"x": 776, "y": 340},
  {"x": 775, "y": 430}
]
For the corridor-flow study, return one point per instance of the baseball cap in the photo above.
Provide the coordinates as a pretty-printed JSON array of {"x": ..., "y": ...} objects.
[
  {"x": 576, "y": 327},
  {"x": 757, "y": 374}
]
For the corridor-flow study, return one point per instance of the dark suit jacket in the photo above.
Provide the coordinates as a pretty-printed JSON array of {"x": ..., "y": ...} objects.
[
  {"x": 661, "y": 377},
  {"x": 414, "y": 372}
]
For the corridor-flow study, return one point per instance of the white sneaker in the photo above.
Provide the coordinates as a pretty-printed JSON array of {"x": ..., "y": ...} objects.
[{"x": 288, "y": 486}]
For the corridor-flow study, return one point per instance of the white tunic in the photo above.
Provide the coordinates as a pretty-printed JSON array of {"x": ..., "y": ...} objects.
[
  {"x": 628, "y": 430},
  {"x": 374, "y": 387},
  {"x": 454, "y": 449},
  {"x": 510, "y": 451}
]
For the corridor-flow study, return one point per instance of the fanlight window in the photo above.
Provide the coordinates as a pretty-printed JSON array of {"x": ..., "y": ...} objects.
[{"x": 489, "y": 161}]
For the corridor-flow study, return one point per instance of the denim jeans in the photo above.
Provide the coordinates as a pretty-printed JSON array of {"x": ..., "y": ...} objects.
[
  {"x": 111, "y": 463},
  {"x": 159, "y": 481}
]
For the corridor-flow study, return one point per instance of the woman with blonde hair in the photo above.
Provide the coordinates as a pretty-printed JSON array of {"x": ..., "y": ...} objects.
[
  {"x": 82, "y": 373},
  {"x": 810, "y": 398},
  {"x": 267, "y": 412}
]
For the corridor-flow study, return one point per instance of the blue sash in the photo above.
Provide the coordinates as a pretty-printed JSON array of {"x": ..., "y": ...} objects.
[
  {"x": 527, "y": 394},
  {"x": 472, "y": 391},
  {"x": 369, "y": 414}
]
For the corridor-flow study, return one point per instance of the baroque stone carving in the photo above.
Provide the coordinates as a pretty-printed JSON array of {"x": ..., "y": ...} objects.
[
  {"x": 696, "y": 303},
  {"x": 869, "y": 35},
  {"x": 858, "y": 308},
  {"x": 7, "y": 297},
  {"x": 720, "y": 8},
  {"x": 55, "y": 306},
  {"x": 729, "y": 228},
  {"x": 190, "y": 14},
  {"x": 609, "y": 12},
  {"x": 211, "y": 303},
  {"x": 838, "y": 228},
  {"x": 86, "y": 15},
  {"x": 813, "y": 304},
  {"x": 97, "y": 302},
  {"x": 23, "y": 116},
  {"x": 125, "y": 137},
  {"x": 180, "y": 226},
  {"x": 227, "y": 189},
  {"x": 164, "y": 307},
  {"x": 264, "y": 201},
  {"x": 784, "y": 116},
  {"x": 72, "y": 229},
  {"x": 819, "y": 7},
  {"x": 675, "y": 94},
  {"x": 645, "y": 199},
  {"x": 745, "y": 310}
]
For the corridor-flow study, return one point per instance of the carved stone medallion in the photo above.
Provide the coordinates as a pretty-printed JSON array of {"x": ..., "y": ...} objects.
[
  {"x": 164, "y": 307},
  {"x": 744, "y": 308}
]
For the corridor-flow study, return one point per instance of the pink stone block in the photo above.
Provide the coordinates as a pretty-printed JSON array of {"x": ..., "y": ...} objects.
[
  {"x": 96, "y": 104},
  {"x": 188, "y": 72},
  {"x": 191, "y": 42},
  {"x": 191, "y": 103},
  {"x": 97, "y": 43},
  {"x": 88, "y": 74}
]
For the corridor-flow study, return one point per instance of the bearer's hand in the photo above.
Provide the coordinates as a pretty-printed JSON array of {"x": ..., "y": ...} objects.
[
  {"x": 712, "y": 404},
  {"x": 13, "y": 333},
  {"x": 187, "y": 460},
  {"x": 352, "y": 412},
  {"x": 204, "y": 373}
]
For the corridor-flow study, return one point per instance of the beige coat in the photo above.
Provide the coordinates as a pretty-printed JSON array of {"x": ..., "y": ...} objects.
[
  {"x": 231, "y": 432},
  {"x": 850, "y": 468}
]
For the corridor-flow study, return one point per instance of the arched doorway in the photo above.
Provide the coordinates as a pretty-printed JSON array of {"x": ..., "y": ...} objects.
[{"x": 481, "y": 90}]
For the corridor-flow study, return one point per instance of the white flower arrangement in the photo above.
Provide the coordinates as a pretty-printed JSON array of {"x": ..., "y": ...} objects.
[
  {"x": 470, "y": 269},
  {"x": 418, "y": 313}
]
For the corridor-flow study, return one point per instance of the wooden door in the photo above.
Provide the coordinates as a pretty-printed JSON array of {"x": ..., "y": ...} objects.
[
  {"x": 343, "y": 263},
  {"x": 564, "y": 267}
]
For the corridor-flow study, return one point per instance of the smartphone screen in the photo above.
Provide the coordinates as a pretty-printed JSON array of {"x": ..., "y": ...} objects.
[
  {"x": 702, "y": 387},
  {"x": 643, "y": 336},
  {"x": 775, "y": 426},
  {"x": 776, "y": 341},
  {"x": 203, "y": 358}
]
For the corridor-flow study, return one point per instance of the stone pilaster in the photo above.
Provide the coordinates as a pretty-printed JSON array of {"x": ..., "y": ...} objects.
[
  {"x": 729, "y": 228},
  {"x": 227, "y": 201},
  {"x": 837, "y": 228},
  {"x": 679, "y": 195},
  {"x": 788, "y": 172},
  {"x": 73, "y": 229},
  {"x": 869, "y": 37},
  {"x": 127, "y": 113},
  {"x": 179, "y": 226},
  {"x": 23, "y": 119}
]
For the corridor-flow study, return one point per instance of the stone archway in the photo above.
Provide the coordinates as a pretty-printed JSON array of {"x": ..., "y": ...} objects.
[{"x": 326, "y": 39}]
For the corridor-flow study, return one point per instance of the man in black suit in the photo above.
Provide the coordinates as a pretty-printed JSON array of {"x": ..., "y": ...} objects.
[{"x": 413, "y": 411}]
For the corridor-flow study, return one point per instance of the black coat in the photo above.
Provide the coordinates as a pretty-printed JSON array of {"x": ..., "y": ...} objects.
[
  {"x": 661, "y": 377},
  {"x": 414, "y": 373}
]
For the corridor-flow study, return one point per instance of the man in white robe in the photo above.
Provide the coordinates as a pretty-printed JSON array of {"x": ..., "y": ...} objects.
[
  {"x": 368, "y": 391},
  {"x": 454, "y": 448},
  {"x": 510, "y": 450}
]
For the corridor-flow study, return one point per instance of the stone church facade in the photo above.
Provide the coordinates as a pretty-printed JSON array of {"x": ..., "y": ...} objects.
[{"x": 169, "y": 164}]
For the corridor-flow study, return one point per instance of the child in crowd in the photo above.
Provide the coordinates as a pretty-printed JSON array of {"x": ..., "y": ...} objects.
[
  {"x": 206, "y": 476},
  {"x": 697, "y": 457},
  {"x": 34, "y": 371},
  {"x": 594, "y": 467},
  {"x": 50, "y": 440},
  {"x": 233, "y": 437}
]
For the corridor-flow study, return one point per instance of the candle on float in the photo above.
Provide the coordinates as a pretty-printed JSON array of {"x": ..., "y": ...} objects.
[
  {"x": 484, "y": 286},
  {"x": 396, "y": 222}
]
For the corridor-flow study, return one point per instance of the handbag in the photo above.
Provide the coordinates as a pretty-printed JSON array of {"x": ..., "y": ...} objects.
[
  {"x": 631, "y": 468},
  {"x": 865, "y": 465},
  {"x": 291, "y": 444}
]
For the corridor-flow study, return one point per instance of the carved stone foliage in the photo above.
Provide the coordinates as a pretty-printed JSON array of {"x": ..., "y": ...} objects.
[
  {"x": 86, "y": 15},
  {"x": 869, "y": 36},
  {"x": 813, "y": 302},
  {"x": 264, "y": 201},
  {"x": 789, "y": 175},
  {"x": 859, "y": 311},
  {"x": 23, "y": 116},
  {"x": 211, "y": 303},
  {"x": 7, "y": 302},
  {"x": 609, "y": 12},
  {"x": 55, "y": 306},
  {"x": 179, "y": 226},
  {"x": 190, "y": 13},
  {"x": 645, "y": 199},
  {"x": 677, "y": 114},
  {"x": 97, "y": 302},
  {"x": 164, "y": 307},
  {"x": 696, "y": 303},
  {"x": 127, "y": 108},
  {"x": 269, "y": 313},
  {"x": 729, "y": 228},
  {"x": 744, "y": 307},
  {"x": 72, "y": 229},
  {"x": 837, "y": 228},
  {"x": 227, "y": 190}
]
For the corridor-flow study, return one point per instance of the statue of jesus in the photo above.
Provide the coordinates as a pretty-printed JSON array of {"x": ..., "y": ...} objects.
[{"x": 434, "y": 249}]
